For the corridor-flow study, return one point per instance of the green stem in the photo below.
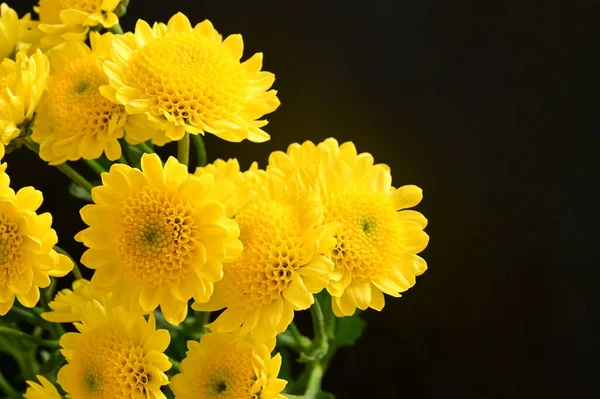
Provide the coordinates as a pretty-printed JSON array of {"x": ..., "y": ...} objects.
[
  {"x": 76, "y": 272},
  {"x": 200, "y": 149},
  {"x": 51, "y": 289},
  {"x": 76, "y": 177},
  {"x": 63, "y": 167},
  {"x": 146, "y": 148},
  {"x": 95, "y": 166},
  {"x": 116, "y": 29},
  {"x": 205, "y": 319},
  {"x": 183, "y": 149},
  {"x": 314, "y": 381},
  {"x": 301, "y": 340},
  {"x": 320, "y": 342},
  {"x": 19, "y": 334},
  {"x": 122, "y": 159},
  {"x": 6, "y": 387}
]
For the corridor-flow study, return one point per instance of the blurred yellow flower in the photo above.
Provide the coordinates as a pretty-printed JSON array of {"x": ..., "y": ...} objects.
[
  {"x": 224, "y": 366},
  {"x": 377, "y": 247},
  {"x": 27, "y": 257},
  {"x": 66, "y": 20},
  {"x": 21, "y": 87},
  {"x": 74, "y": 120},
  {"x": 14, "y": 32},
  {"x": 68, "y": 305},
  {"x": 190, "y": 80},
  {"x": 44, "y": 391},
  {"x": 285, "y": 261},
  {"x": 158, "y": 236},
  {"x": 115, "y": 354}
]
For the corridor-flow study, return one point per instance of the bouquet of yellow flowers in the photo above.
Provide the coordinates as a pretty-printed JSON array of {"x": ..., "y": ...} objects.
[{"x": 171, "y": 244}]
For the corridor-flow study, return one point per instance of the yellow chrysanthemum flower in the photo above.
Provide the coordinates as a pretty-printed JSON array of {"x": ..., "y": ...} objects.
[
  {"x": 44, "y": 391},
  {"x": 158, "y": 236},
  {"x": 14, "y": 32},
  {"x": 190, "y": 80},
  {"x": 74, "y": 120},
  {"x": 285, "y": 261},
  {"x": 67, "y": 20},
  {"x": 27, "y": 257},
  {"x": 377, "y": 245},
  {"x": 68, "y": 305},
  {"x": 116, "y": 354},
  {"x": 246, "y": 183},
  {"x": 21, "y": 87},
  {"x": 225, "y": 366}
]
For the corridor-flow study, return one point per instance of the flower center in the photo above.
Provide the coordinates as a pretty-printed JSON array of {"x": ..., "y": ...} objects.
[
  {"x": 10, "y": 256},
  {"x": 272, "y": 254},
  {"x": 110, "y": 365},
  {"x": 157, "y": 237},
  {"x": 371, "y": 232},
  {"x": 188, "y": 76},
  {"x": 75, "y": 106},
  {"x": 225, "y": 374},
  {"x": 49, "y": 10}
]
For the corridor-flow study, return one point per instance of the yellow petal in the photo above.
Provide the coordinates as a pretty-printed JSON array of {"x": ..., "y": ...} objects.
[
  {"x": 179, "y": 23},
  {"x": 297, "y": 294},
  {"x": 407, "y": 197}
]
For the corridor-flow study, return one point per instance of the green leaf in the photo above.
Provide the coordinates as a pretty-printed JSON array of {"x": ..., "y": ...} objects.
[
  {"x": 22, "y": 351},
  {"x": 349, "y": 330},
  {"x": 79, "y": 192},
  {"x": 285, "y": 372}
]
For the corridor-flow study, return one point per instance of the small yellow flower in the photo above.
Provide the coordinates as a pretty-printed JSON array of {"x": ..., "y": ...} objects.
[
  {"x": 158, "y": 236},
  {"x": 21, "y": 87},
  {"x": 190, "y": 80},
  {"x": 66, "y": 20},
  {"x": 27, "y": 257},
  {"x": 44, "y": 391},
  {"x": 68, "y": 305},
  {"x": 74, "y": 120},
  {"x": 285, "y": 261},
  {"x": 116, "y": 354},
  {"x": 377, "y": 247},
  {"x": 225, "y": 366}
]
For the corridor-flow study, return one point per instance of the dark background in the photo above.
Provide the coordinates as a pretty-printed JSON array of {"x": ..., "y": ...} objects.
[{"x": 483, "y": 105}]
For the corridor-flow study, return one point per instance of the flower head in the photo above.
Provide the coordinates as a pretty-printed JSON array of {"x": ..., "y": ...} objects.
[
  {"x": 66, "y": 20},
  {"x": 246, "y": 183},
  {"x": 225, "y": 366},
  {"x": 158, "y": 236},
  {"x": 13, "y": 31},
  {"x": 74, "y": 120},
  {"x": 27, "y": 257},
  {"x": 68, "y": 305},
  {"x": 115, "y": 354},
  {"x": 44, "y": 391},
  {"x": 377, "y": 247},
  {"x": 21, "y": 87},
  {"x": 285, "y": 261},
  {"x": 190, "y": 80}
]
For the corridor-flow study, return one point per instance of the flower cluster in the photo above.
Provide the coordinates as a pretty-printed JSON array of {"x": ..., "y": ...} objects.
[{"x": 320, "y": 227}]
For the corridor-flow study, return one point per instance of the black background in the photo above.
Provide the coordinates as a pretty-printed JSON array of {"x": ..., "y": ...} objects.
[{"x": 485, "y": 105}]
